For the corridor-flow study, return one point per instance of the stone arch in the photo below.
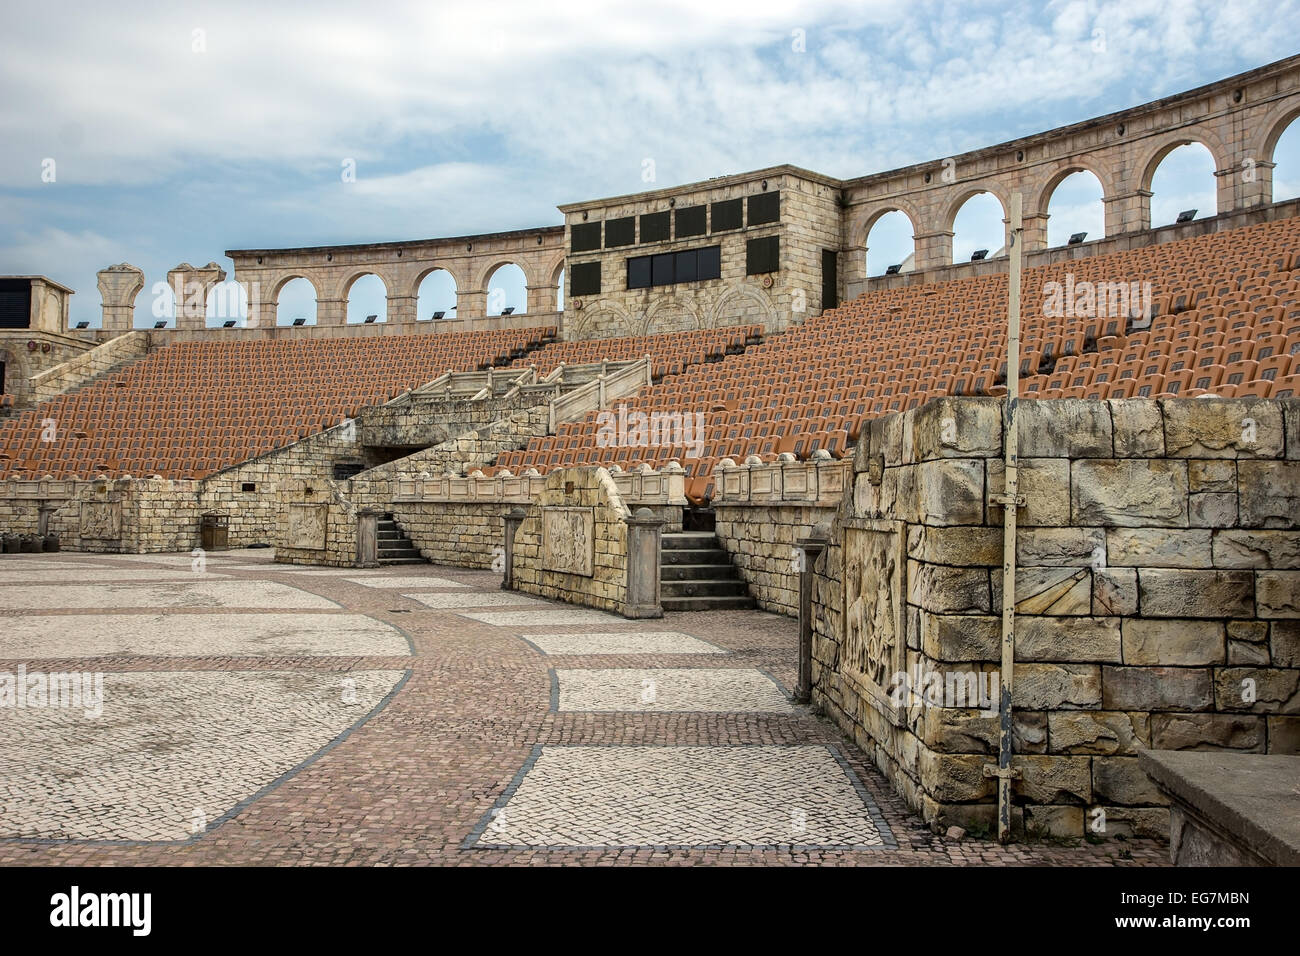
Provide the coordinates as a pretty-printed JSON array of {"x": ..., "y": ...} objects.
[
  {"x": 428, "y": 270},
  {"x": 288, "y": 277},
  {"x": 227, "y": 300},
  {"x": 1272, "y": 128},
  {"x": 1164, "y": 145},
  {"x": 865, "y": 220},
  {"x": 604, "y": 317},
  {"x": 424, "y": 306},
  {"x": 344, "y": 288},
  {"x": 555, "y": 267},
  {"x": 277, "y": 304},
  {"x": 668, "y": 316},
  {"x": 1048, "y": 183},
  {"x": 870, "y": 224},
  {"x": 1046, "y": 190},
  {"x": 968, "y": 191},
  {"x": 761, "y": 312},
  {"x": 506, "y": 259},
  {"x": 353, "y": 313}
]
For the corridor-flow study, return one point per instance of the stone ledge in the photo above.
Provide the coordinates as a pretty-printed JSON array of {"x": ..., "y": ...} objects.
[{"x": 1242, "y": 804}]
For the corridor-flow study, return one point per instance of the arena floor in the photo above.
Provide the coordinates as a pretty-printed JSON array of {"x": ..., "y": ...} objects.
[{"x": 260, "y": 713}]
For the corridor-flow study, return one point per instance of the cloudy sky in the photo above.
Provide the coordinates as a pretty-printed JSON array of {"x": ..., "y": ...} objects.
[{"x": 174, "y": 131}]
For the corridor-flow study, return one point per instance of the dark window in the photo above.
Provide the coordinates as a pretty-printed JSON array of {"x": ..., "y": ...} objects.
[
  {"x": 684, "y": 267},
  {"x": 762, "y": 255},
  {"x": 620, "y": 232},
  {"x": 764, "y": 207},
  {"x": 15, "y": 303},
  {"x": 830, "y": 279},
  {"x": 248, "y": 486},
  {"x": 343, "y": 470},
  {"x": 727, "y": 214},
  {"x": 586, "y": 279},
  {"x": 708, "y": 263},
  {"x": 661, "y": 269},
  {"x": 584, "y": 237},
  {"x": 655, "y": 227},
  {"x": 638, "y": 272},
  {"x": 690, "y": 221}
]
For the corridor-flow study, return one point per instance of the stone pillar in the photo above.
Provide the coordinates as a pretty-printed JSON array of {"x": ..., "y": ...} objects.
[
  {"x": 118, "y": 287},
  {"x": 853, "y": 271},
  {"x": 1245, "y": 184},
  {"x": 644, "y": 540},
  {"x": 1128, "y": 212},
  {"x": 368, "y": 538},
  {"x": 261, "y": 310},
  {"x": 1034, "y": 236},
  {"x": 810, "y": 549},
  {"x": 543, "y": 298},
  {"x": 401, "y": 309},
  {"x": 471, "y": 303},
  {"x": 512, "y": 519},
  {"x": 933, "y": 249},
  {"x": 332, "y": 312},
  {"x": 190, "y": 286}
]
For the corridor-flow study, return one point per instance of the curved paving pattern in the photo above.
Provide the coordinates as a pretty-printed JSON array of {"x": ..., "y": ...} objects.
[{"x": 311, "y": 718}]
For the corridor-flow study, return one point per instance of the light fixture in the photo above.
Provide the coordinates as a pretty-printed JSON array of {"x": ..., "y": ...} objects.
[
  {"x": 301, "y": 320},
  {"x": 895, "y": 269},
  {"x": 228, "y": 324},
  {"x": 978, "y": 254},
  {"x": 160, "y": 324},
  {"x": 83, "y": 325},
  {"x": 439, "y": 315},
  {"x": 508, "y": 310},
  {"x": 1187, "y": 215},
  {"x": 1076, "y": 238},
  {"x": 371, "y": 319}
]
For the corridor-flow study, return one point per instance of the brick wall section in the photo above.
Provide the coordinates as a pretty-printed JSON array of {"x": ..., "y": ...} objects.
[{"x": 1158, "y": 598}]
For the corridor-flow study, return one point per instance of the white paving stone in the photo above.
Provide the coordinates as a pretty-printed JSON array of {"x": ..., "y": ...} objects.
[
  {"x": 410, "y": 582},
  {"x": 627, "y": 642},
  {"x": 197, "y": 593},
  {"x": 199, "y": 635},
  {"x": 170, "y": 750},
  {"x": 676, "y": 689},
  {"x": 475, "y": 599},
  {"x": 547, "y": 617},
  {"x": 683, "y": 796}
]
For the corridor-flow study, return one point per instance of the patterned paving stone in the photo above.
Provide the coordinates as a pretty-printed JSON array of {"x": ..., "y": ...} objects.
[
  {"x": 670, "y": 689},
  {"x": 643, "y": 642},
  {"x": 476, "y": 599},
  {"x": 99, "y": 575},
  {"x": 199, "y": 635},
  {"x": 171, "y": 753},
  {"x": 199, "y": 593},
  {"x": 797, "y": 796},
  {"x": 408, "y": 582},
  {"x": 550, "y": 616}
]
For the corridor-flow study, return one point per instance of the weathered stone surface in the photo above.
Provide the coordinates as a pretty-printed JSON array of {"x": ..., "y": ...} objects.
[
  {"x": 1212, "y": 475},
  {"x": 1115, "y": 591},
  {"x": 1138, "y": 428},
  {"x": 1176, "y": 593},
  {"x": 960, "y": 545},
  {"x": 957, "y": 428},
  {"x": 1049, "y": 591},
  {"x": 1240, "y": 548},
  {"x": 1061, "y": 547},
  {"x": 1284, "y": 643},
  {"x": 1063, "y": 823},
  {"x": 1277, "y": 594},
  {"x": 1270, "y": 493},
  {"x": 1045, "y": 483},
  {"x": 1127, "y": 822},
  {"x": 1064, "y": 428},
  {"x": 962, "y": 730},
  {"x": 1050, "y": 779},
  {"x": 1067, "y": 639},
  {"x": 1098, "y": 732},
  {"x": 951, "y": 491},
  {"x": 1206, "y": 732},
  {"x": 1173, "y": 642},
  {"x": 1120, "y": 781},
  {"x": 1042, "y": 686},
  {"x": 1158, "y": 548},
  {"x": 1129, "y": 494},
  {"x": 961, "y": 637},
  {"x": 934, "y": 587},
  {"x": 1274, "y": 690},
  {"x": 1226, "y": 428},
  {"x": 1284, "y": 735},
  {"x": 952, "y": 777},
  {"x": 1247, "y": 654},
  {"x": 1155, "y": 688},
  {"x": 1214, "y": 509}
]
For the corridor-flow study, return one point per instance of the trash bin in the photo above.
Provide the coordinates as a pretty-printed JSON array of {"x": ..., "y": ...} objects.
[{"x": 214, "y": 531}]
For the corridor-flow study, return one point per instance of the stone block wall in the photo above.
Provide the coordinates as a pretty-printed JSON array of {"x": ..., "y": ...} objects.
[
  {"x": 84, "y": 366},
  {"x": 1157, "y": 599},
  {"x": 315, "y": 524}
]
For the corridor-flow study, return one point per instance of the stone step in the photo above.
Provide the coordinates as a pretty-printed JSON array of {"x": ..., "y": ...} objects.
[
  {"x": 690, "y": 541},
  {"x": 386, "y": 562},
  {"x": 713, "y": 556},
  {"x": 707, "y": 603},
  {"x": 717, "y": 587},
  {"x": 696, "y": 572}
]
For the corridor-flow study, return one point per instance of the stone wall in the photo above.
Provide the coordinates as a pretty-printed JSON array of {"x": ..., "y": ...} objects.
[
  {"x": 315, "y": 524},
  {"x": 1157, "y": 597},
  {"x": 23, "y": 363},
  {"x": 84, "y": 366}
]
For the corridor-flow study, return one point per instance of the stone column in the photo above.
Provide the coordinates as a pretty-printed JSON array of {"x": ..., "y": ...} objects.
[
  {"x": 1245, "y": 184},
  {"x": 543, "y": 298},
  {"x": 810, "y": 549},
  {"x": 1128, "y": 212},
  {"x": 118, "y": 287},
  {"x": 368, "y": 538},
  {"x": 933, "y": 249},
  {"x": 853, "y": 271},
  {"x": 644, "y": 540},
  {"x": 190, "y": 286},
  {"x": 401, "y": 309},
  {"x": 512, "y": 519},
  {"x": 471, "y": 303},
  {"x": 1034, "y": 236},
  {"x": 332, "y": 312}
]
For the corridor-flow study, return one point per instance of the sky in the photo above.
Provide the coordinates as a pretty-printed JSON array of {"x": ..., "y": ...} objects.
[{"x": 156, "y": 133}]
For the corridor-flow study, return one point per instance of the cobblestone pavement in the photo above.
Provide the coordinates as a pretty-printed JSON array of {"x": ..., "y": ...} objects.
[{"x": 256, "y": 714}]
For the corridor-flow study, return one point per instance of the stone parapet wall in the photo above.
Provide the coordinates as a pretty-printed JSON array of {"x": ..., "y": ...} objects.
[
  {"x": 90, "y": 364},
  {"x": 1157, "y": 598}
]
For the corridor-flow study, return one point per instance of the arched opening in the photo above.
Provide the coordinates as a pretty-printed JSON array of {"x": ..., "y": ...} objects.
[
  {"x": 1286, "y": 154},
  {"x": 890, "y": 243},
  {"x": 1075, "y": 206},
  {"x": 159, "y": 307},
  {"x": 1183, "y": 181},
  {"x": 296, "y": 300},
  {"x": 507, "y": 288},
  {"x": 227, "y": 302},
  {"x": 437, "y": 293},
  {"x": 367, "y": 296},
  {"x": 979, "y": 225},
  {"x": 559, "y": 292}
]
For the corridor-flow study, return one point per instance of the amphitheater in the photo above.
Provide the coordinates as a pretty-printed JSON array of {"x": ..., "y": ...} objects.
[{"x": 725, "y": 412}]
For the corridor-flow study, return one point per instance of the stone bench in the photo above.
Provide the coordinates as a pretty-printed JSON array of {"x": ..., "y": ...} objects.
[{"x": 1229, "y": 809}]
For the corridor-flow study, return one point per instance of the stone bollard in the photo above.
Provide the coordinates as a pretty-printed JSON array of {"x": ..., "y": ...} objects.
[
  {"x": 810, "y": 548},
  {"x": 368, "y": 538},
  {"x": 644, "y": 540},
  {"x": 512, "y": 520}
]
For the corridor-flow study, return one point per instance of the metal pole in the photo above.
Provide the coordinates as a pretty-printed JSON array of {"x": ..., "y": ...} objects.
[{"x": 1010, "y": 501}]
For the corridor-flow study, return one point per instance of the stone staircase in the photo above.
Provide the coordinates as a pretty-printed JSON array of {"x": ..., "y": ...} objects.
[
  {"x": 394, "y": 546},
  {"x": 696, "y": 574}
]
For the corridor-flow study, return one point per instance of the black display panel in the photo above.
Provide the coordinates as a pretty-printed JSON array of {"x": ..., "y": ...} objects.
[
  {"x": 691, "y": 221},
  {"x": 765, "y": 208},
  {"x": 638, "y": 272},
  {"x": 728, "y": 214},
  {"x": 584, "y": 236},
  {"x": 708, "y": 263},
  {"x": 15, "y": 303},
  {"x": 620, "y": 232},
  {"x": 684, "y": 266},
  {"x": 586, "y": 279},
  {"x": 655, "y": 227},
  {"x": 762, "y": 255},
  {"x": 661, "y": 269}
]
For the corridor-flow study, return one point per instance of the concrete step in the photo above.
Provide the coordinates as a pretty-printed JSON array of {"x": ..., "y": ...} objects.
[
  {"x": 717, "y": 587},
  {"x": 694, "y": 572},
  {"x": 707, "y": 603},
  {"x": 690, "y": 541},
  {"x": 387, "y": 562},
  {"x": 713, "y": 556}
]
